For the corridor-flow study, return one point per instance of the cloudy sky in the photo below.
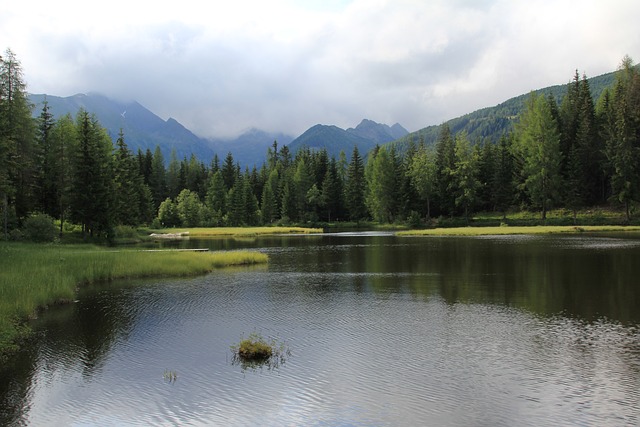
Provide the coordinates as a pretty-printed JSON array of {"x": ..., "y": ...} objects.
[{"x": 222, "y": 67}]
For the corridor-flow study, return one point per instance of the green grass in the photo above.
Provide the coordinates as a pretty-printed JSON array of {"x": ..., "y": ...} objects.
[
  {"x": 255, "y": 352},
  {"x": 541, "y": 229},
  {"x": 240, "y": 231},
  {"x": 34, "y": 276}
]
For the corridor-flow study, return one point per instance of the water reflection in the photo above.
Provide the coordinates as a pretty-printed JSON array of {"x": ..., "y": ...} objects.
[{"x": 385, "y": 331}]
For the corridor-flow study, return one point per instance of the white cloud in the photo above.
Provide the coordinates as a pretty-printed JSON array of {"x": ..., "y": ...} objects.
[{"x": 221, "y": 67}]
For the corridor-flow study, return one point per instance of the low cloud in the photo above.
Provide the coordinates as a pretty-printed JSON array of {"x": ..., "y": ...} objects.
[{"x": 281, "y": 66}]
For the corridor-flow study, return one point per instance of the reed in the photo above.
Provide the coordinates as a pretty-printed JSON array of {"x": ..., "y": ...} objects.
[
  {"x": 483, "y": 231},
  {"x": 34, "y": 276}
]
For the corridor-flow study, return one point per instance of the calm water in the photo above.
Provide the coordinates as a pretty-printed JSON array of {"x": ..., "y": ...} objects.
[{"x": 382, "y": 330}]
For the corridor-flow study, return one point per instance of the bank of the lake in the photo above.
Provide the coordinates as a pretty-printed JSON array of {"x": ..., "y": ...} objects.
[
  {"x": 35, "y": 275},
  {"x": 506, "y": 230},
  {"x": 210, "y": 232}
]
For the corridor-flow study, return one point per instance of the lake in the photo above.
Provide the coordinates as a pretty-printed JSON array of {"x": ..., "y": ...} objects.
[{"x": 382, "y": 331}]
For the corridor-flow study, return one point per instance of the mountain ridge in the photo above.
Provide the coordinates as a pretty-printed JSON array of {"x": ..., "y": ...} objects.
[
  {"x": 366, "y": 135},
  {"x": 144, "y": 130},
  {"x": 490, "y": 123}
]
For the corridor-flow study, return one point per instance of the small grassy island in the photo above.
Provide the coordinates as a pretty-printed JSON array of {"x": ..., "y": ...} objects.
[
  {"x": 255, "y": 351},
  {"x": 36, "y": 275}
]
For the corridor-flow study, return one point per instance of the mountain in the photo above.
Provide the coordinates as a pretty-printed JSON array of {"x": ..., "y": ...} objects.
[
  {"x": 331, "y": 138},
  {"x": 377, "y": 132},
  {"x": 250, "y": 148},
  {"x": 492, "y": 122},
  {"x": 365, "y": 136},
  {"x": 144, "y": 130}
]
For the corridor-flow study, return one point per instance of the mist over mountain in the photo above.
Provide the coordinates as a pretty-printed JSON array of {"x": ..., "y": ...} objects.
[
  {"x": 145, "y": 130},
  {"x": 331, "y": 138},
  {"x": 377, "y": 132}
]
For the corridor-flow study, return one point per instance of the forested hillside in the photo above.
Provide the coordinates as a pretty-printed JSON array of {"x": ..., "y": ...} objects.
[
  {"x": 492, "y": 122},
  {"x": 573, "y": 153}
]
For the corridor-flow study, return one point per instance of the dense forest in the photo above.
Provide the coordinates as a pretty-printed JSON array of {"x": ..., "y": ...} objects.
[{"x": 573, "y": 153}]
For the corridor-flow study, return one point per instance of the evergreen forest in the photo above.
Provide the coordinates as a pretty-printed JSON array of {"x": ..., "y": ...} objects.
[{"x": 573, "y": 153}]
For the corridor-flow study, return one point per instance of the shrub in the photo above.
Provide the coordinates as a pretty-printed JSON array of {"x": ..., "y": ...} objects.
[{"x": 39, "y": 228}]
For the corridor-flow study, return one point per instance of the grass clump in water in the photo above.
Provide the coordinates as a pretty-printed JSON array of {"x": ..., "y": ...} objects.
[{"x": 255, "y": 351}]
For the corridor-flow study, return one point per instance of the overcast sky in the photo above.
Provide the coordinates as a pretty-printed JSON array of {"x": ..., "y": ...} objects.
[{"x": 221, "y": 67}]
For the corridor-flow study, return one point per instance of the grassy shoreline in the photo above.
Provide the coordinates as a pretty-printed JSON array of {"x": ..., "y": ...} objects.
[
  {"x": 535, "y": 229},
  {"x": 239, "y": 231},
  {"x": 35, "y": 276}
]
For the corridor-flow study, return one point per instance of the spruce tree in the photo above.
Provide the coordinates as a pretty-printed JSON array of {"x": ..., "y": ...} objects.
[
  {"x": 355, "y": 187},
  {"x": 445, "y": 164},
  {"x": 158, "y": 178}
]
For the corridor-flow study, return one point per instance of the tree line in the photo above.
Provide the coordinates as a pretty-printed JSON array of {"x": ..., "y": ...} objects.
[{"x": 574, "y": 154}]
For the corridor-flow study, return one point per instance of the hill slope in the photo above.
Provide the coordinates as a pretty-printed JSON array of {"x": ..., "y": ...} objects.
[{"x": 491, "y": 122}]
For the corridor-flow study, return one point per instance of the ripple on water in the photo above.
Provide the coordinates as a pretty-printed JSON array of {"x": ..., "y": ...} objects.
[{"x": 358, "y": 357}]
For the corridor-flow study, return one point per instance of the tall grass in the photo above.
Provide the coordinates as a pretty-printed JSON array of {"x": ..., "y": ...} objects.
[
  {"x": 541, "y": 229},
  {"x": 34, "y": 276}
]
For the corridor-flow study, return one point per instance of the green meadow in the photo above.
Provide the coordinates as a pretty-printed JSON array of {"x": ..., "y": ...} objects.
[
  {"x": 539, "y": 229},
  {"x": 35, "y": 275}
]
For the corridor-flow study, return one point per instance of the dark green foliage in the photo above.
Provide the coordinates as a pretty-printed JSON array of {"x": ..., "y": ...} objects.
[
  {"x": 355, "y": 188},
  {"x": 444, "y": 167},
  {"x": 129, "y": 188},
  {"x": 39, "y": 228},
  {"x": 91, "y": 198},
  {"x": 624, "y": 145},
  {"x": 563, "y": 152},
  {"x": 502, "y": 189},
  {"x": 489, "y": 124},
  {"x": 538, "y": 148}
]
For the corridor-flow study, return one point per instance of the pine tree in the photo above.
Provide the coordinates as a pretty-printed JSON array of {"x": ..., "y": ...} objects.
[
  {"x": 65, "y": 139},
  {"x": 158, "y": 178},
  {"x": 269, "y": 206},
  {"x": 91, "y": 196},
  {"x": 303, "y": 180},
  {"x": 229, "y": 172},
  {"x": 355, "y": 187},
  {"x": 625, "y": 146},
  {"x": 216, "y": 199},
  {"x": 127, "y": 185},
  {"x": 502, "y": 183},
  {"x": 465, "y": 174},
  {"x": 17, "y": 135},
  {"x": 173, "y": 176},
  {"x": 47, "y": 168},
  {"x": 445, "y": 164},
  {"x": 332, "y": 191}
]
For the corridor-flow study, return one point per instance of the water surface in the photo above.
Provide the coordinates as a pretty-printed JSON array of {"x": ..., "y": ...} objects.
[{"x": 509, "y": 330}]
